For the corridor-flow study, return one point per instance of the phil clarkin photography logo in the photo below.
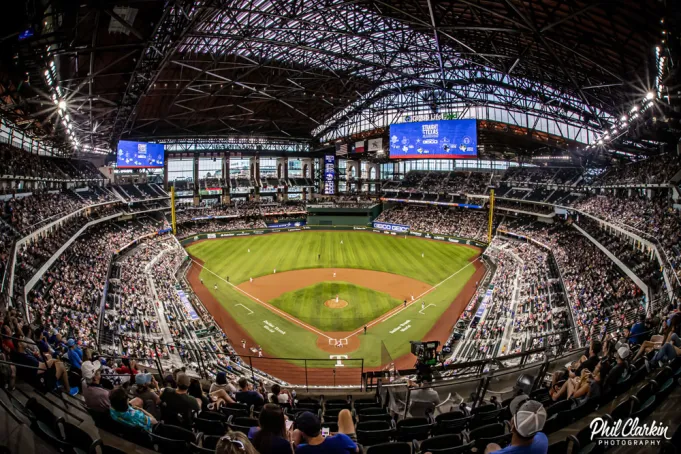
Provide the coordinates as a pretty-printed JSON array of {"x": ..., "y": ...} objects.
[{"x": 627, "y": 432}]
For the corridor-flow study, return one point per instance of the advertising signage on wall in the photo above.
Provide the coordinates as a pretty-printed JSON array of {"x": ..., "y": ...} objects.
[
  {"x": 391, "y": 227},
  {"x": 441, "y": 139},
  {"x": 329, "y": 174}
]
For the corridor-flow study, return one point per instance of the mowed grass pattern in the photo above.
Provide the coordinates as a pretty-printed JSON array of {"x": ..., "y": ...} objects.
[
  {"x": 307, "y": 304},
  {"x": 300, "y": 250},
  {"x": 289, "y": 251}
]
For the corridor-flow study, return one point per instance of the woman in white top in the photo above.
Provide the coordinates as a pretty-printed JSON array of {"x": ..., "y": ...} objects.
[{"x": 278, "y": 396}]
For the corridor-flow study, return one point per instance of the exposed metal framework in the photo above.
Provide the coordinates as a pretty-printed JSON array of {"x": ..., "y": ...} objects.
[{"x": 319, "y": 69}]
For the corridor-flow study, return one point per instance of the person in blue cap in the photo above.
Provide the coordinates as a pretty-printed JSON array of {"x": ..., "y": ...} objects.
[{"x": 75, "y": 354}]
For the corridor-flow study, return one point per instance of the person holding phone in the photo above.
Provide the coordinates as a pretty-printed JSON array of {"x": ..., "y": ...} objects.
[
  {"x": 270, "y": 437},
  {"x": 309, "y": 438}
]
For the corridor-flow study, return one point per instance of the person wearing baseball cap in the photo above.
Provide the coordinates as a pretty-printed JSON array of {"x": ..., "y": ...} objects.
[
  {"x": 528, "y": 420},
  {"x": 309, "y": 439}
]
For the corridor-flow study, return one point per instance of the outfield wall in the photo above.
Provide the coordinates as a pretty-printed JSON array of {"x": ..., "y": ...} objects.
[{"x": 237, "y": 233}]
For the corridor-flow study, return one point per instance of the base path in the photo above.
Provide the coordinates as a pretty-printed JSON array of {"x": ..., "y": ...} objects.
[
  {"x": 267, "y": 288},
  {"x": 292, "y": 371}
]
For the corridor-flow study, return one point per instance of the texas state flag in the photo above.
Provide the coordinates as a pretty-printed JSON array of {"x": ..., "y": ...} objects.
[{"x": 359, "y": 147}]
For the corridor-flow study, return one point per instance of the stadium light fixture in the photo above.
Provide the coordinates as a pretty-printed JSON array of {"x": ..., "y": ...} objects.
[
  {"x": 624, "y": 124},
  {"x": 623, "y": 118},
  {"x": 650, "y": 95},
  {"x": 600, "y": 142},
  {"x": 634, "y": 109},
  {"x": 62, "y": 104}
]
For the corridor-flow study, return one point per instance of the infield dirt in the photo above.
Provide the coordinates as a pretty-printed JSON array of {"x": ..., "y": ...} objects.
[{"x": 322, "y": 376}]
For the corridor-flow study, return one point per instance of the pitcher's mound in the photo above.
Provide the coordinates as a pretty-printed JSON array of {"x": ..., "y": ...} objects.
[{"x": 333, "y": 304}]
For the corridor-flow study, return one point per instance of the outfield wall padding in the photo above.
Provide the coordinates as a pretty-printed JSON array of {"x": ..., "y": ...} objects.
[{"x": 237, "y": 233}]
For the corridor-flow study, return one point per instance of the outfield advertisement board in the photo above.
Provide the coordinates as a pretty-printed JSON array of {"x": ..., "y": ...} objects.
[
  {"x": 391, "y": 227},
  {"x": 285, "y": 225},
  {"x": 237, "y": 233}
]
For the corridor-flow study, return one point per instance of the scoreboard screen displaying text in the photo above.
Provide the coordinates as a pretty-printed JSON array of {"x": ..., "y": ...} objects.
[
  {"x": 139, "y": 155},
  {"x": 439, "y": 139}
]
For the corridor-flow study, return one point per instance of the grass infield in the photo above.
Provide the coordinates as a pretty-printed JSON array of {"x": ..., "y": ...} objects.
[{"x": 307, "y": 304}]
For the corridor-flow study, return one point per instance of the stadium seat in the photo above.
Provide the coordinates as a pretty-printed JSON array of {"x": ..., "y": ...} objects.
[
  {"x": 492, "y": 433},
  {"x": 106, "y": 449},
  {"x": 209, "y": 426},
  {"x": 413, "y": 429},
  {"x": 644, "y": 401},
  {"x": 559, "y": 447},
  {"x": 664, "y": 380},
  {"x": 558, "y": 406},
  {"x": 171, "y": 439},
  {"x": 583, "y": 442},
  {"x": 442, "y": 444},
  {"x": 380, "y": 417},
  {"x": 372, "y": 411},
  {"x": 390, "y": 448},
  {"x": 483, "y": 418},
  {"x": 452, "y": 422},
  {"x": 80, "y": 440},
  {"x": 46, "y": 424},
  {"x": 373, "y": 432},
  {"x": 242, "y": 424}
]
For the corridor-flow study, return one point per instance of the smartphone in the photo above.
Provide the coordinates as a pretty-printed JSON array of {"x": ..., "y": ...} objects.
[
  {"x": 325, "y": 432},
  {"x": 289, "y": 424}
]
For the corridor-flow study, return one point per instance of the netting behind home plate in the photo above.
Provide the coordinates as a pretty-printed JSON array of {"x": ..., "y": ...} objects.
[{"x": 335, "y": 371}]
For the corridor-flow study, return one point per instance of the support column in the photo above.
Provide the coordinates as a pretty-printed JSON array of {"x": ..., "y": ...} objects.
[
  {"x": 282, "y": 174},
  {"x": 255, "y": 176},
  {"x": 226, "y": 199},
  {"x": 197, "y": 197},
  {"x": 165, "y": 173}
]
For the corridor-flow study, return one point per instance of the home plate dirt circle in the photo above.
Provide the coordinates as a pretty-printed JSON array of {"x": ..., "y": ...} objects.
[{"x": 333, "y": 304}]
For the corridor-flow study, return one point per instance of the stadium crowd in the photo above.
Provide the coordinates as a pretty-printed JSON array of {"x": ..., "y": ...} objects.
[{"x": 464, "y": 223}]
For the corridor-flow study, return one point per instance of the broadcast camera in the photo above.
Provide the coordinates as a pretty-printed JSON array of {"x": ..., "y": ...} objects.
[{"x": 427, "y": 356}]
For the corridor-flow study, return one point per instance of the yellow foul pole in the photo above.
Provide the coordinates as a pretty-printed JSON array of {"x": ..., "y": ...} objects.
[
  {"x": 491, "y": 215},
  {"x": 172, "y": 209}
]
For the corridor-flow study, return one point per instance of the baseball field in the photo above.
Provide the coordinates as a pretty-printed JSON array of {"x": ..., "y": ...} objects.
[{"x": 311, "y": 294}]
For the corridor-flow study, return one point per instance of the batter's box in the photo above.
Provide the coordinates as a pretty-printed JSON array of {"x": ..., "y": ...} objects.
[{"x": 338, "y": 342}]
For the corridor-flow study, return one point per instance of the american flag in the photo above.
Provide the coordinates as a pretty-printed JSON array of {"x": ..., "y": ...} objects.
[{"x": 341, "y": 149}]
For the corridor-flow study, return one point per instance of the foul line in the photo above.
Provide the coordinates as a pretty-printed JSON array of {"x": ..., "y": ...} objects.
[
  {"x": 268, "y": 306},
  {"x": 389, "y": 315},
  {"x": 250, "y": 312},
  {"x": 425, "y": 307}
]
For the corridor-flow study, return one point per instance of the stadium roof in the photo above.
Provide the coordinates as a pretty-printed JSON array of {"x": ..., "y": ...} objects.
[{"x": 302, "y": 69}]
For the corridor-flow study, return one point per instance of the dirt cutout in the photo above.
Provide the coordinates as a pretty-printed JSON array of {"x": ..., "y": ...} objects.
[
  {"x": 271, "y": 286},
  {"x": 335, "y": 304}
]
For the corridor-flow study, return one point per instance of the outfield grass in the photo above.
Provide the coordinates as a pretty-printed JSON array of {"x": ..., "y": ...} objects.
[
  {"x": 307, "y": 304},
  {"x": 290, "y": 251},
  {"x": 300, "y": 250}
]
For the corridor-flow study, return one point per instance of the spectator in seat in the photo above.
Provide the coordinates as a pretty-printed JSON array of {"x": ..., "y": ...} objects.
[
  {"x": 638, "y": 328},
  {"x": 247, "y": 396},
  {"x": 75, "y": 354},
  {"x": 128, "y": 367},
  {"x": 576, "y": 370},
  {"x": 96, "y": 397},
  {"x": 123, "y": 412},
  {"x": 144, "y": 390},
  {"x": 235, "y": 443},
  {"x": 270, "y": 436},
  {"x": 222, "y": 383},
  {"x": 309, "y": 440},
  {"x": 89, "y": 366},
  {"x": 178, "y": 401},
  {"x": 528, "y": 420},
  {"x": 619, "y": 370},
  {"x": 278, "y": 396},
  {"x": 44, "y": 374}
]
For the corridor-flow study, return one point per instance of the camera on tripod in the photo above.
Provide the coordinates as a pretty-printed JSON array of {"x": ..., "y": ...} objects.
[{"x": 427, "y": 356}]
